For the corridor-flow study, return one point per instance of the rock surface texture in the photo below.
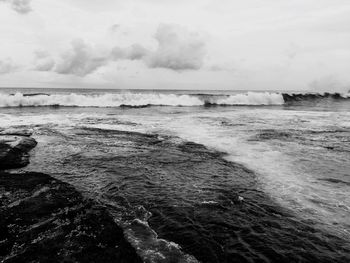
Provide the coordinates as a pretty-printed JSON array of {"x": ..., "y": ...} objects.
[
  {"x": 45, "y": 220},
  {"x": 14, "y": 148}
]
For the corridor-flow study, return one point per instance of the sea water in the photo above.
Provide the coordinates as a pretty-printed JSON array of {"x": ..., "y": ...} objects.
[{"x": 214, "y": 176}]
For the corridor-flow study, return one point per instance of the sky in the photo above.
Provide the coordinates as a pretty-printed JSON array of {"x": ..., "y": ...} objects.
[{"x": 176, "y": 44}]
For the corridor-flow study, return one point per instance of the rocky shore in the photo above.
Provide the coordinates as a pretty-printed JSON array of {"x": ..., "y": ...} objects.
[
  {"x": 46, "y": 220},
  {"x": 14, "y": 148}
]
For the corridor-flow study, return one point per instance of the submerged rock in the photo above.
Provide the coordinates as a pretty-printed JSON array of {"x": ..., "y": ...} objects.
[{"x": 46, "y": 220}]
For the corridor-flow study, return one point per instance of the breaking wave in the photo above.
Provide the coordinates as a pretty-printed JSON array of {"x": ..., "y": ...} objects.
[
  {"x": 252, "y": 98},
  {"x": 100, "y": 100},
  {"x": 156, "y": 99},
  {"x": 313, "y": 96}
]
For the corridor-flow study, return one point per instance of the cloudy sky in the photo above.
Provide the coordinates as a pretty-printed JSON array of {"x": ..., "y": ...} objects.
[{"x": 176, "y": 44}]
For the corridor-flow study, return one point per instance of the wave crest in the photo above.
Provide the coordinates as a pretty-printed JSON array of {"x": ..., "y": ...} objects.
[
  {"x": 139, "y": 100},
  {"x": 101, "y": 100},
  {"x": 287, "y": 97},
  {"x": 136, "y": 100},
  {"x": 253, "y": 98}
]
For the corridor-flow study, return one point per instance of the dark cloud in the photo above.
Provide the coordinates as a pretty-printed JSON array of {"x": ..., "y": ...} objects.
[
  {"x": 178, "y": 49},
  {"x": 7, "y": 66},
  {"x": 20, "y": 6}
]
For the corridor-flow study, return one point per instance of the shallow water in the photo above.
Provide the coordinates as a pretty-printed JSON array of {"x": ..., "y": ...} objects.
[{"x": 217, "y": 184}]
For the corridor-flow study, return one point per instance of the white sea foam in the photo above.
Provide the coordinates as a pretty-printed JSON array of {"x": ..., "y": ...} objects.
[
  {"x": 253, "y": 98},
  {"x": 134, "y": 99},
  {"x": 101, "y": 100},
  {"x": 151, "y": 248},
  {"x": 280, "y": 166}
]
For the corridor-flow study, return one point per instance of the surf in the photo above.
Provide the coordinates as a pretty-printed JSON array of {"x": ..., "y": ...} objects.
[{"x": 142, "y": 100}]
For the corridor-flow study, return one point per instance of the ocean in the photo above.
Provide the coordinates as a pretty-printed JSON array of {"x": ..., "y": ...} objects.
[{"x": 208, "y": 176}]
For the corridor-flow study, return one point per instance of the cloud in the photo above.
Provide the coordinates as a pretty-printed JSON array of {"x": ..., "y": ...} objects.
[
  {"x": 134, "y": 52},
  {"x": 81, "y": 59},
  {"x": 178, "y": 49},
  {"x": 6, "y": 66},
  {"x": 20, "y": 6},
  {"x": 114, "y": 28},
  {"x": 43, "y": 61},
  {"x": 292, "y": 50}
]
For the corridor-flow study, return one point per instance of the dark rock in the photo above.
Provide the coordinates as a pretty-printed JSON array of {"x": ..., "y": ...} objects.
[
  {"x": 26, "y": 144},
  {"x": 14, "y": 151},
  {"x": 46, "y": 220}
]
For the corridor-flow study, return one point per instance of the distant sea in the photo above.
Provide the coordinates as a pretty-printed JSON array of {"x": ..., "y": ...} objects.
[{"x": 209, "y": 176}]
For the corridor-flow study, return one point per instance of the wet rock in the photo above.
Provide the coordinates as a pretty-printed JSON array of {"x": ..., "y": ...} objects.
[
  {"x": 46, "y": 220},
  {"x": 14, "y": 151}
]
